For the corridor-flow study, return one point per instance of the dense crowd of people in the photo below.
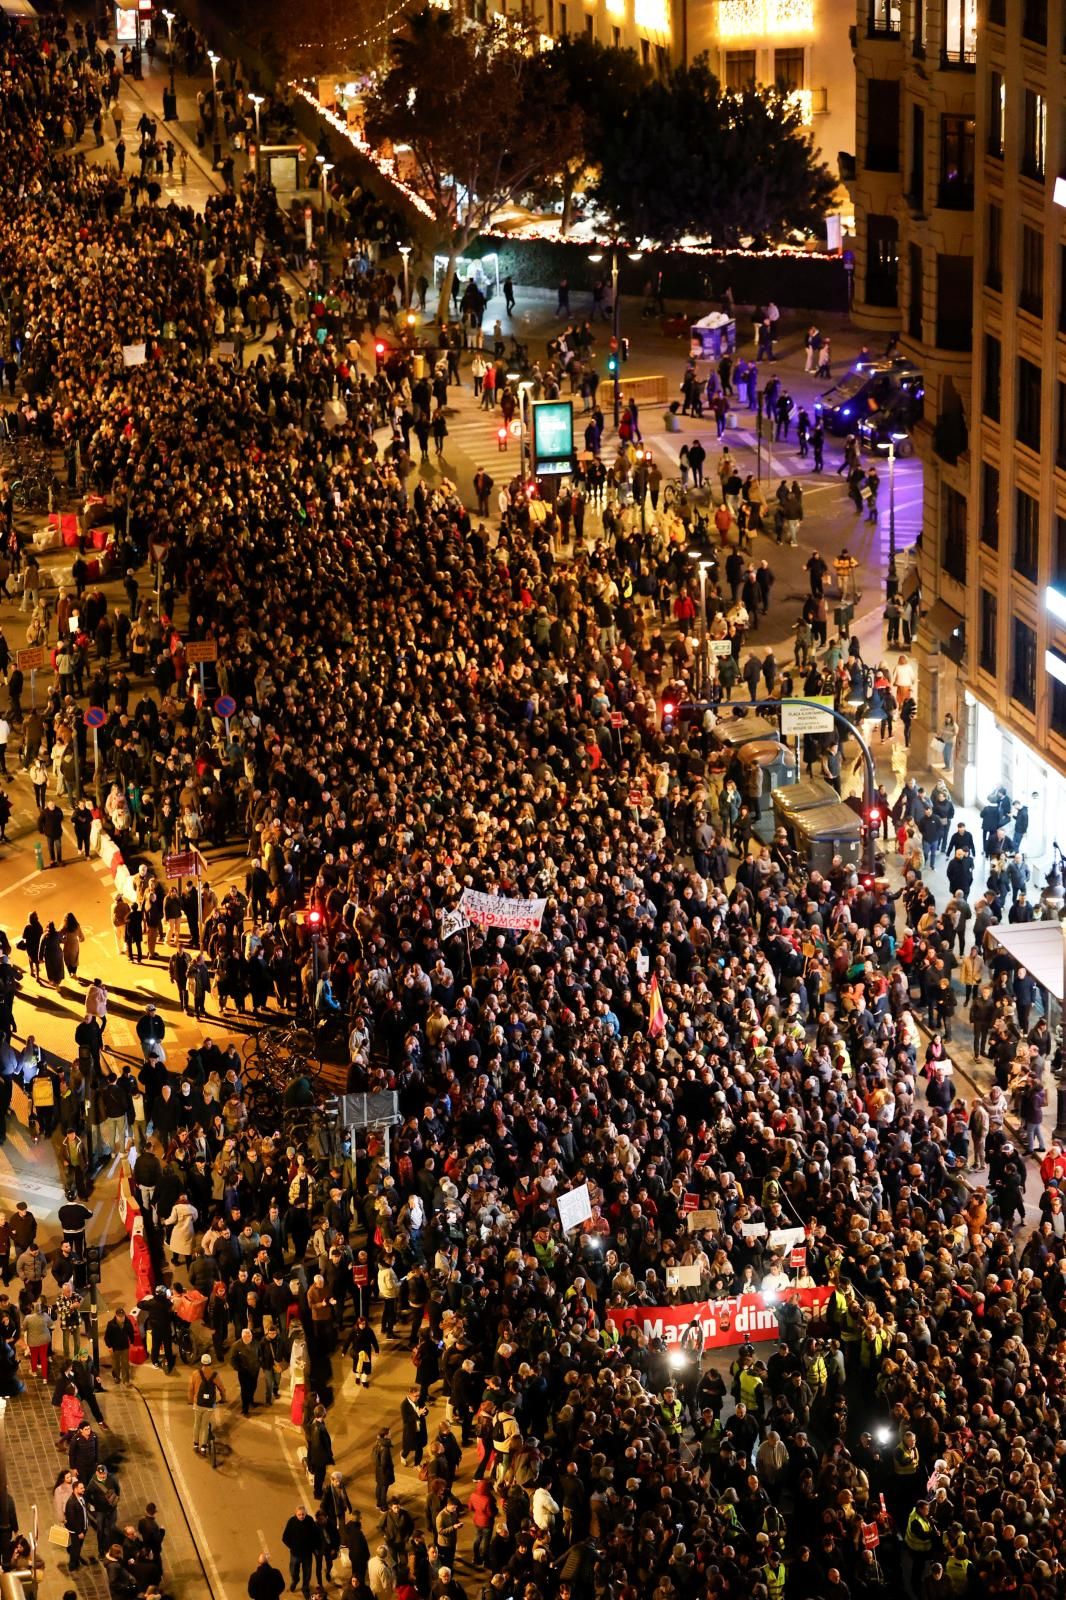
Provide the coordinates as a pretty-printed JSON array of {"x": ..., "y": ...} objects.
[{"x": 425, "y": 706}]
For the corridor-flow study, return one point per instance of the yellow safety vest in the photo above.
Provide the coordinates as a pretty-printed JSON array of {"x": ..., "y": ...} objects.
[
  {"x": 671, "y": 1415},
  {"x": 775, "y": 1580},
  {"x": 750, "y": 1390},
  {"x": 919, "y": 1535},
  {"x": 957, "y": 1569}
]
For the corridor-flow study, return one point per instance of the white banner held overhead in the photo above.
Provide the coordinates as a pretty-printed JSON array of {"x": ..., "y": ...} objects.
[
  {"x": 498, "y": 911},
  {"x": 134, "y": 355},
  {"x": 575, "y": 1207},
  {"x": 451, "y": 923}
]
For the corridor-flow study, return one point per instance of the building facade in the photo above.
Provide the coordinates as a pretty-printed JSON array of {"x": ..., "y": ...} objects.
[
  {"x": 915, "y": 195},
  {"x": 958, "y": 112},
  {"x": 1014, "y": 702},
  {"x": 802, "y": 46}
]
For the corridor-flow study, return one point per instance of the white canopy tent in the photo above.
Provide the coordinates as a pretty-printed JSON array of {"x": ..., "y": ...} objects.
[{"x": 1040, "y": 947}]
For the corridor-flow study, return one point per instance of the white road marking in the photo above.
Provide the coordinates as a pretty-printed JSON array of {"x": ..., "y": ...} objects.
[{"x": 189, "y": 1505}]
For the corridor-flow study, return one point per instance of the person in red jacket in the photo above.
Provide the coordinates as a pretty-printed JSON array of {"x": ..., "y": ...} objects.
[{"x": 482, "y": 1508}]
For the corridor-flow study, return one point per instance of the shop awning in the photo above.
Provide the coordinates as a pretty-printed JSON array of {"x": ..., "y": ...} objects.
[
  {"x": 1039, "y": 946},
  {"x": 943, "y": 620}
]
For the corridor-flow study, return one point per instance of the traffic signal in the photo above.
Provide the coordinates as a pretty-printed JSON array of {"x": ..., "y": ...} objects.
[
  {"x": 872, "y": 818},
  {"x": 380, "y": 351},
  {"x": 612, "y": 366},
  {"x": 501, "y": 435},
  {"x": 669, "y": 715},
  {"x": 92, "y": 1262},
  {"x": 314, "y": 918},
  {"x": 625, "y": 349}
]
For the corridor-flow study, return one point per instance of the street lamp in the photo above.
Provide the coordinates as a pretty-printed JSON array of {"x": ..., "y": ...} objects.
[
  {"x": 702, "y": 567},
  {"x": 214, "y": 60},
  {"x": 168, "y": 17},
  {"x": 257, "y": 101},
  {"x": 327, "y": 168},
  {"x": 616, "y": 315},
  {"x": 522, "y": 386},
  {"x": 892, "y": 509},
  {"x": 645, "y": 466},
  {"x": 405, "y": 251}
]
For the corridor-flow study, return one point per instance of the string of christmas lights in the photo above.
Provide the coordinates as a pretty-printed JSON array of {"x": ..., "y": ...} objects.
[{"x": 371, "y": 38}]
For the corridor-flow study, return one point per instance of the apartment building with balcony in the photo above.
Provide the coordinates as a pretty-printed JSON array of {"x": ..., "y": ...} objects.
[{"x": 915, "y": 196}]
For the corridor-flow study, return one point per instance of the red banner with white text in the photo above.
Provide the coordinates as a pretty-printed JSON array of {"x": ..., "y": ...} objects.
[{"x": 744, "y": 1318}]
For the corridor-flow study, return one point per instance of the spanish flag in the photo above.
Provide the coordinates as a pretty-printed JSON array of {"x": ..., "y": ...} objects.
[{"x": 656, "y": 1014}]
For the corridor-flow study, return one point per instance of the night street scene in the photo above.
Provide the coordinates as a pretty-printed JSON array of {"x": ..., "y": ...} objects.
[{"x": 532, "y": 722}]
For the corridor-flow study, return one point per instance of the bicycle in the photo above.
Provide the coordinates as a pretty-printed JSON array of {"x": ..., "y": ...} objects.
[
  {"x": 35, "y": 490},
  {"x": 210, "y": 1449}
]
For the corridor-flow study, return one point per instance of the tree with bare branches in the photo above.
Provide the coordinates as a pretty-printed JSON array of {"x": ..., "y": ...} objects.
[{"x": 482, "y": 116}]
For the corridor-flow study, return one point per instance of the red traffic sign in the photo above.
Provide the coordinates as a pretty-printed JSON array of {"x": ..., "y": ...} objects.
[
  {"x": 183, "y": 864},
  {"x": 617, "y": 719},
  {"x": 95, "y": 717},
  {"x": 225, "y": 705}
]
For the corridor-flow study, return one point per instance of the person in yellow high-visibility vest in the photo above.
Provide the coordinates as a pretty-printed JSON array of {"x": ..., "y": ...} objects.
[
  {"x": 670, "y": 1410},
  {"x": 751, "y": 1390},
  {"x": 919, "y": 1541},
  {"x": 774, "y": 1577},
  {"x": 957, "y": 1570}
]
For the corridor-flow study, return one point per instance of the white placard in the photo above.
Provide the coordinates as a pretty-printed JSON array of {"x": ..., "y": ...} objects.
[
  {"x": 575, "y": 1207},
  {"x": 752, "y": 1230},
  {"x": 698, "y": 1220},
  {"x": 685, "y": 1277},
  {"x": 134, "y": 355},
  {"x": 785, "y": 1238}
]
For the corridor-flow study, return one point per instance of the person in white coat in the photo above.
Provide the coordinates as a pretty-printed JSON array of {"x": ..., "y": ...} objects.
[
  {"x": 379, "y": 1574},
  {"x": 182, "y": 1222},
  {"x": 544, "y": 1509}
]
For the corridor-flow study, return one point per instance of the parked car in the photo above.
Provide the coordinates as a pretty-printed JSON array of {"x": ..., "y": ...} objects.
[{"x": 877, "y": 386}]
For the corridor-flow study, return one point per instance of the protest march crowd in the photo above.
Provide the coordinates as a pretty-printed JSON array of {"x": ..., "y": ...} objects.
[{"x": 424, "y": 707}]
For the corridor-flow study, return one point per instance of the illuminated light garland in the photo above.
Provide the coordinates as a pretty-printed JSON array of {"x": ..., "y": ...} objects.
[
  {"x": 371, "y": 38},
  {"x": 750, "y": 19},
  {"x": 384, "y": 164}
]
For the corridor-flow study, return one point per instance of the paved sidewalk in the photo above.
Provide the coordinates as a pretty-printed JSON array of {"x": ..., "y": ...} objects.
[{"x": 133, "y": 1452}]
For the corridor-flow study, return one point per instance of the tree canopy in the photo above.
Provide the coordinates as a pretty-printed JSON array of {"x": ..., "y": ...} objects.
[
  {"x": 483, "y": 117},
  {"x": 686, "y": 156},
  {"x": 596, "y": 82}
]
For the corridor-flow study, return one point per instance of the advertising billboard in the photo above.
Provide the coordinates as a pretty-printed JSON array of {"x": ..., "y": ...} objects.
[{"x": 553, "y": 437}]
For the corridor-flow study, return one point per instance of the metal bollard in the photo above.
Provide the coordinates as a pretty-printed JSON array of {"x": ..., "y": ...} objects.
[{"x": 39, "y": 853}]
